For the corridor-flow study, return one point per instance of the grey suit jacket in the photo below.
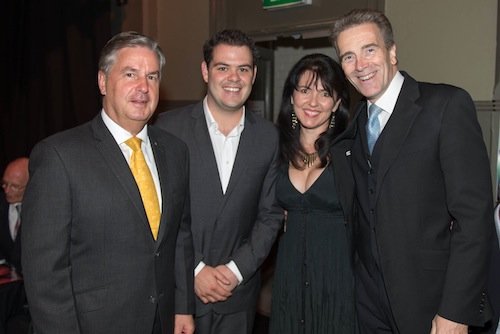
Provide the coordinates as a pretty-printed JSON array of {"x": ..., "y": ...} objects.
[
  {"x": 91, "y": 264},
  {"x": 242, "y": 224},
  {"x": 433, "y": 170}
]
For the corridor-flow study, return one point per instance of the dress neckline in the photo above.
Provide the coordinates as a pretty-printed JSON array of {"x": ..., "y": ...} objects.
[{"x": 312, "y": 184}]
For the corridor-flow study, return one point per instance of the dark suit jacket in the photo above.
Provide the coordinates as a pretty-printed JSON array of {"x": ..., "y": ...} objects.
[
  {"x": 91, "y": 264},
  {"x": 242, "y": 224},
  {"x": 10, "y": 250},
  {"x": 433, "y": 169}
]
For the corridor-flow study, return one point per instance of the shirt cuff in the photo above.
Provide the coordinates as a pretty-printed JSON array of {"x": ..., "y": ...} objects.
[
  {"x": 234, "y": 268},
  {"x": 199, "y": 267}
]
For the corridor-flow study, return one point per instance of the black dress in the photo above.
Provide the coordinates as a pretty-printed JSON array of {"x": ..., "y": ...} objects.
[{"x": 313, "y": 289}]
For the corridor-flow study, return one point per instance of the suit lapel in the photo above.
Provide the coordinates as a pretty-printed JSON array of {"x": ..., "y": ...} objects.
[
  {"x": 341, "y": 152},
  {"x": 398, "y": 127},
  {"x": 4, "y": 226},
  {"x": 163, "y": 169},
  {"x": 243, "y": 159},
  {"x": 205, "y": 151},
  {"x": 113, "y": 156}
]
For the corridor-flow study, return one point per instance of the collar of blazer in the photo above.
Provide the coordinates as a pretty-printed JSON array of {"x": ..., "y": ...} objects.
[
  {"x": 396, "y": 130},
  {"x": 198, "y": 112}
]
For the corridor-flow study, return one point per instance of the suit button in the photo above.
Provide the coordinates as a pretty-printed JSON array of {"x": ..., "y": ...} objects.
[
  {"x": 306, "y": 284},
  {"x": 371, "y": 191},
  {"x": 157, "y": 254},
  {"x": 152, "y": 299}
]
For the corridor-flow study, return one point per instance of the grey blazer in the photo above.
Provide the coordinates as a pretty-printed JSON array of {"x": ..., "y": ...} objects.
[
  {"x": 91, "y": 264},
  {"x": 242, "y": 224}
]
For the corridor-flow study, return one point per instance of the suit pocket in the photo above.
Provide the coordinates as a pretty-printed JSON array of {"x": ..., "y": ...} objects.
[
  {"x": 434, "y": 259},
  {"x": 91, "y": 300}
]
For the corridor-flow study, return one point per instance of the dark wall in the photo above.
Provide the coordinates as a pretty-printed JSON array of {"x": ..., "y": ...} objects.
[{"x": 50, "y": 52}]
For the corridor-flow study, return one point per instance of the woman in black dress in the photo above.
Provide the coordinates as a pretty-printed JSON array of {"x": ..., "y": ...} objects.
[{"x": 313, "y": 284}]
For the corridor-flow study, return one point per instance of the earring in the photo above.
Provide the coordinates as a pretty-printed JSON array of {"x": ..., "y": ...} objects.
[
  {"x": 332, "y": 121},
  {"x": 295, "y": 121}
]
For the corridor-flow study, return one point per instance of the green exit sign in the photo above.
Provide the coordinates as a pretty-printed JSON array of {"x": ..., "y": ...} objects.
[{"x": 278, "y": 4}]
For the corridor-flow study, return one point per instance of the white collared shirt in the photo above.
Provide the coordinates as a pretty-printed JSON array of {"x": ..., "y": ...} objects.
[
  {"x": 388, "y": 100},
  {"x": 121, "y": 135},
  {"x": 225, "y": 147}
]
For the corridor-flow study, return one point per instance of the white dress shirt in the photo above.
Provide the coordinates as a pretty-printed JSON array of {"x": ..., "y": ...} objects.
[
  {"x": 13, "y": 216},
  {"x": 388, "y": 100},
  {"x": 225, "y": 147}
]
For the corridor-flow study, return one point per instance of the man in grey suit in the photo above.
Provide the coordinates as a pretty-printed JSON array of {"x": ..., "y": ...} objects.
[
  {"x": 233, "y": 154},
  {"x": 92, "y": 262}
]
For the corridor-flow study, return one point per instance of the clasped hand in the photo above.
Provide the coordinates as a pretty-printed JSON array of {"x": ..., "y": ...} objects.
[{"x": 213, "y": 285}]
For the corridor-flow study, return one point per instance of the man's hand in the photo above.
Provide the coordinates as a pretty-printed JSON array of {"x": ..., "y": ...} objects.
[
  {"x": 207, "y": 287},
  {"x": 441, "y": 325},
  {"x": 223, "y": 269},
  {"x": 184, "y": 324}
]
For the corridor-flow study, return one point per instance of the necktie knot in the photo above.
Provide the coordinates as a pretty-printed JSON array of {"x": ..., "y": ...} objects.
[
  {"x": 375, "y": 110},
  {"x": 134, "y": 143},
  {"x": 373, "y": 126}
]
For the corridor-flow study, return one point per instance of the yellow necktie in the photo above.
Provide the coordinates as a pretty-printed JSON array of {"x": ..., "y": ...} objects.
[{"x": 144, "y": 180}]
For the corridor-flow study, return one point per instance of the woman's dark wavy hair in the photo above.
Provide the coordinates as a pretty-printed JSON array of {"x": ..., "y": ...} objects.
[{"x": 330, "y": 74}]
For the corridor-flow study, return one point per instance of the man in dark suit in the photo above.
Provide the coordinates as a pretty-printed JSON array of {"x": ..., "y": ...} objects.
[
  {"x": 233, "y": 154},
  {"x": 423, "y": 202},
  {"x": 94, "y": 257},
  {"x": 14, "y": 181},
  {"x": 12, "y": 297}
]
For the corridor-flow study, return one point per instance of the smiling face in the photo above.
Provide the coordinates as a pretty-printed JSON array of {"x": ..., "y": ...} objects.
[
  {"x": 312, "y": 104},
  {"x": 131, "y": 88},
  {"x": 366, "y": 62},
  {"x": 229, "y": 77}
]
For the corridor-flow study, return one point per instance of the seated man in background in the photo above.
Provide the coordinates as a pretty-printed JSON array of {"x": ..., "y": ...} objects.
[
  {"x": 15, "y": 178},
  {"x": 12, "y": 296}
]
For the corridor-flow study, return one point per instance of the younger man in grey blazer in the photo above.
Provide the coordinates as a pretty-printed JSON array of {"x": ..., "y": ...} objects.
[{"x": 235, "y": 217}]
